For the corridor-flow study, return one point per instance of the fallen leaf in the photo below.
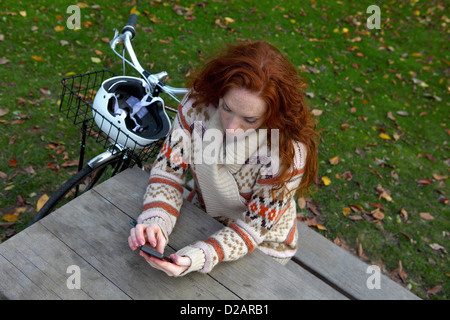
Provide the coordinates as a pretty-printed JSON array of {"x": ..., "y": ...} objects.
[
  {"x": 377, "y": 214},
  {"x": 3, "y": 111},
  {"x": 437, "y": 246},
  {"x": 426, "y": 216},
  {"x": 439, "y": 177},
  {"x": 346, "y": 211},
  {"x": 435, "y": 290},
  {"x": 384, "y": 136},
  {"x": 37, "y": 58},
  {"x": 59, "y": 28},
  {"x": 10, "y": 217},
  {"x": 42, "y": 200},
  {"x": 316, "y": 112},
  {"x": 96, "y": 60},
  {"x": 3, "y": 60},
  {"x": 301, "y": 202},
  {"x": 13, "y": 162},
  {"x": 326, "y": 181},
  {"x": 70, "y": 163},
  {"x": 335, "y": 160}
]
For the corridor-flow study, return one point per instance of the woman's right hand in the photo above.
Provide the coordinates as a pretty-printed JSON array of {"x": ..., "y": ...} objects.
[{"x": 152, "y": 234}]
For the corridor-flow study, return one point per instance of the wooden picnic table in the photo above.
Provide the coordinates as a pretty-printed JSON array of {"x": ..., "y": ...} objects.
[{"x": 89, "y": 235}]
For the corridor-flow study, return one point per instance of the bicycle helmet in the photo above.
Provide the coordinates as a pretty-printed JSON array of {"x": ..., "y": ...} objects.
[{"x": 125, "y": 110}]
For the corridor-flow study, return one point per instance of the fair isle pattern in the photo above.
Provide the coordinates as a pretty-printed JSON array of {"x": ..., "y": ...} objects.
[{"x": 268, "y": 223}]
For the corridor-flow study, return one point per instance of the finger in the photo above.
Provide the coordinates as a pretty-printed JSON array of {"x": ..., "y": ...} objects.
[
  {"x": 161, "y": 244},
  {"x": 168, "y": 268},
  {"x": 151, "y": 236},
  {"x": 181, "y": 260},
  {"x": 131, "y": 243},
  {"x": 132, "y": 238},
  {"x": 140, "y": 234}
]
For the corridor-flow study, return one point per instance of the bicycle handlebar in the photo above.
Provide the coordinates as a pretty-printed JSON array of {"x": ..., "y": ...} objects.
[
  {"x": 131, "y": 25},
  {"x": 154, "y": 80}
]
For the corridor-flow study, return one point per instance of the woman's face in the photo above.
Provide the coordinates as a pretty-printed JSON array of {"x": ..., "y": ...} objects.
[{"x": 241, "y": 109}]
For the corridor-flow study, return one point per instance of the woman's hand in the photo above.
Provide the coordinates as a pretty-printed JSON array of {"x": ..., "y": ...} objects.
[
  {"x": 178, "y": 265},
  {"x": 152, "y": 234}
]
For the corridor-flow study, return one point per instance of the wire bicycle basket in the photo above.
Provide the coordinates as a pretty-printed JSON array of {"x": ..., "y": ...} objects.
[{"x": 76, "y": 104}]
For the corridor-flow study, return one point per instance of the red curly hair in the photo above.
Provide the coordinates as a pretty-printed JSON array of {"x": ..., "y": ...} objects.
[{"x": 261, "y": 68}]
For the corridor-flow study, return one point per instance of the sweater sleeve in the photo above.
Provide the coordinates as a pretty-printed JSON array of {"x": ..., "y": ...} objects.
[
  {"x": 264, "y": 210},
  {"x": 164, "y": 193}
]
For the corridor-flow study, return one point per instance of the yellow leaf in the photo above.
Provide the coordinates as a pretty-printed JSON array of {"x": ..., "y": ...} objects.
[
  {"x": 10, "y": 217},
  {"x": 37, "y": 58},
  {"x": 346, "y": 211},
  {"x": 71, "y": 73},
  {"x": 59, "y": 28},
  {"x": 344, "y": 30},
  {"x": 96, "y": 60},
  {"x": 42, "y": 200},
  {"x": 384, "y": 136},
  {"x": 320, "y": 227},
  {"x": 326, "y": 181},
  {"x": 229, "y": 20},
  {"x": 133, "y": 10},
  {"x": 23, "y": 13}
]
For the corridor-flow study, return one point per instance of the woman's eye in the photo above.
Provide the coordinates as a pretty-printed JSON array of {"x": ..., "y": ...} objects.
[
  {"x": 250, "y": 121},
  {"x": 225, "y": 108}
]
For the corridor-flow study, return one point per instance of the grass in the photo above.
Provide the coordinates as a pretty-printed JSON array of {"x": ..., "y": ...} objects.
[{"x": 362, "y": 82}]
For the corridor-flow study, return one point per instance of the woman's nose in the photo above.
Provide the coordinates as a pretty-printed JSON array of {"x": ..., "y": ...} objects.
[{"x": 232, "y": 123}]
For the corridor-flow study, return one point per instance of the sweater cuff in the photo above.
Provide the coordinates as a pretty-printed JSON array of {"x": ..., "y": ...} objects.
[{"x": 197, "y": 257}]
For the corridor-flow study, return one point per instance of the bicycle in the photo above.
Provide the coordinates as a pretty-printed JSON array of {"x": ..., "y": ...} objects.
[{"x": 105, "y": 107}]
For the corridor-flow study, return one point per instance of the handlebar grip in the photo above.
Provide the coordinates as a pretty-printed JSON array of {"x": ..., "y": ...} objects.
[{"x": 131, "y": 25}]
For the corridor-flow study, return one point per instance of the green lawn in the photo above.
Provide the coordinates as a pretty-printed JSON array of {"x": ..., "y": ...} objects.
[{"x": 380, "y": 96}]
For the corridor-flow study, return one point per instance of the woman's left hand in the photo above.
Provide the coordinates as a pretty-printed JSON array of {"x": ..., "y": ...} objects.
[{"x": 175, "y": 268}]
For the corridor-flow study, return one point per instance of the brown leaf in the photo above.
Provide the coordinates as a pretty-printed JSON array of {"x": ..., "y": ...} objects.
[
  {"x": 335, "y": 160},
  {"x": 301, "y": 203},
  {"x": 377, "y": 214},
  {"x": 426, "y": 216},
  {"x": 13, "y": 162},
  {"x": 435, "y": 290},
  {"x": 356, "y": 208},
  {"x": 70, "y": 163}
]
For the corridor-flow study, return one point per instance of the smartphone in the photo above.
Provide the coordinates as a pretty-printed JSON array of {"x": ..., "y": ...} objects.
[{"x": 155, "y": 253}]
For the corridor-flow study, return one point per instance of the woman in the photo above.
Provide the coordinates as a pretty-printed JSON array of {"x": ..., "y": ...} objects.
[{"x": 249, "y": 89}]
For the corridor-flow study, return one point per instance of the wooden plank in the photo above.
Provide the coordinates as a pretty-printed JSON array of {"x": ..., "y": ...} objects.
[
  {"x": 98, "y": 232},
  {"x": 253, "y": 277},
  {"x": 342, "y": 269},
  {"x": 34, "y": 265}
]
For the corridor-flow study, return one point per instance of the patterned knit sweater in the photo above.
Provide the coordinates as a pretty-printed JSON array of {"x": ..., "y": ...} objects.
[{"x": 267, "y": 219}]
